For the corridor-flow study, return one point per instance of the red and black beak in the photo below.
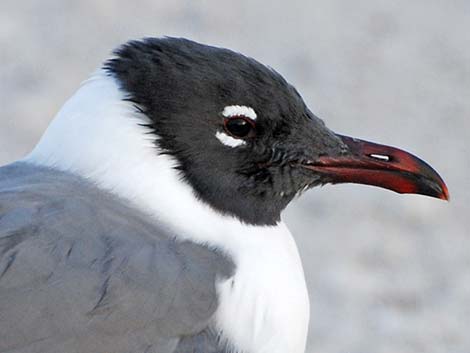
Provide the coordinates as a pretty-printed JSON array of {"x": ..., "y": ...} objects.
[{"x": 383, "y": 166}]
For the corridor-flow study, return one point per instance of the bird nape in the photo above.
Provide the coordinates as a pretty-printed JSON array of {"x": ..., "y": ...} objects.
[{"x": 148, "y": 216}]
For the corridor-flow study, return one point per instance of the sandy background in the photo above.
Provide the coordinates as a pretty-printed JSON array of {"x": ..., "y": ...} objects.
[{"x": 387, "y": 273}]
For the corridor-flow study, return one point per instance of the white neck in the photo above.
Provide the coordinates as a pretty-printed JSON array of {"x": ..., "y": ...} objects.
[{"x": 99, "y": 135}]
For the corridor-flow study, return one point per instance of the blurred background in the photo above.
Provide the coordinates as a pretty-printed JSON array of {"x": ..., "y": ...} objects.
[{"x": 387, "y": 273}]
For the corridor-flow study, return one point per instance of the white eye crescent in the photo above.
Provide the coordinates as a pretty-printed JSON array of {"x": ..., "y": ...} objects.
[
  {"x": 232, "y": 114},
  {"x": 239, "y": 110},
  {"x": 228, "y": 140}
]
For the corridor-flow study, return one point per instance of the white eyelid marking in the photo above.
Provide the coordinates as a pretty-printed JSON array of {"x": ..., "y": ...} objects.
[
  {"x": 236, "y": 110},
  {"x": 228, "y": 140}
]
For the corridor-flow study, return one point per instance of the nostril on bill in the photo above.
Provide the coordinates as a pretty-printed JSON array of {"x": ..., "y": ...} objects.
[{"x": 381, "y": 157}]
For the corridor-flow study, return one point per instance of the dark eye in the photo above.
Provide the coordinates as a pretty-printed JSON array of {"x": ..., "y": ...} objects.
[{"x": 240, "y": 127}]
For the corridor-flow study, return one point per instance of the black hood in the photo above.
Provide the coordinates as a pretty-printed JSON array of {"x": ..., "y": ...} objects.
[{"x": 183, "y": 87}]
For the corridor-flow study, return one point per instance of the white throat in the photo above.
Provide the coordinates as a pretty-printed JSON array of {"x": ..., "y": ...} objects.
[{"x": 100, "y": 136}]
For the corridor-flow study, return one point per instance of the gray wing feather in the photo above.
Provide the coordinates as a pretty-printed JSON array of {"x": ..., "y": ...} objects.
[{"x": 82, "y": 272}]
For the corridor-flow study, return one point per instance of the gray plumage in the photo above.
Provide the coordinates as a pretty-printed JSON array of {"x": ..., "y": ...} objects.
[{"x": 82, "y": 272}]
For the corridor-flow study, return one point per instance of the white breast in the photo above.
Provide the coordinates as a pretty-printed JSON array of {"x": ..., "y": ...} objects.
[
  {"x": 99, "y": 135},
  {"x": 265, "y": 307}
]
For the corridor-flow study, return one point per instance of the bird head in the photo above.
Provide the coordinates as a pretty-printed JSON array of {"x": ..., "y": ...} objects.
[{"x": 242, "y": 136}]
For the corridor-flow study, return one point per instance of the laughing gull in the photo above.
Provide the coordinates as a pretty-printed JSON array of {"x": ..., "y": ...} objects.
[{"x": 148, "y": 217}]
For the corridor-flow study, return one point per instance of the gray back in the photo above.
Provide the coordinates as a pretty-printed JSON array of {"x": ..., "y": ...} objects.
[{"x": 82, "y": 272}]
